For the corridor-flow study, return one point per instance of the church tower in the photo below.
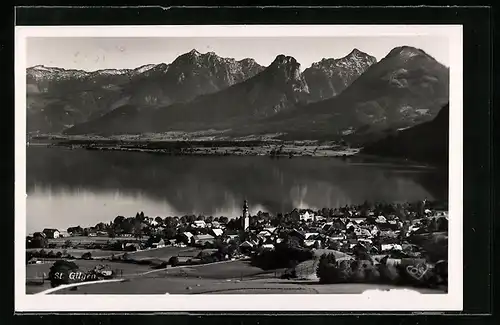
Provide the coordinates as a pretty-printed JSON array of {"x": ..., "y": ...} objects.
[{"x": 245, "y": 217}]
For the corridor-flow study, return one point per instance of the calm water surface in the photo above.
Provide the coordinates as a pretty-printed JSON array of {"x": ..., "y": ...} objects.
[{"x": 79, "y": 187}]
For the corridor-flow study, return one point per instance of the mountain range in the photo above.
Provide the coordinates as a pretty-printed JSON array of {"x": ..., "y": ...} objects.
[{"x": 334, "y": 97}]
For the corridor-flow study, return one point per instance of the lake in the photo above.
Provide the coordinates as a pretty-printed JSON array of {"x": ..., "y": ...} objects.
[{"x": 82, "y": 187}]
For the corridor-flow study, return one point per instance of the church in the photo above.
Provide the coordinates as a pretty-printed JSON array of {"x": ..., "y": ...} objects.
[{"x": 245, "y": 220}]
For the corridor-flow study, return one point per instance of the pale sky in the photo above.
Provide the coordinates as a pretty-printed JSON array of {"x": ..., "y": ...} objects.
[{"x": 95, "y": 53}]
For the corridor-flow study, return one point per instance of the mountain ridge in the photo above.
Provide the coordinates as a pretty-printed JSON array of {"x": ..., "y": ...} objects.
[
  {"x": 405, "y": 88},
  {"x": 275, "y": 88},
  {"x": 59, "y": 98}
]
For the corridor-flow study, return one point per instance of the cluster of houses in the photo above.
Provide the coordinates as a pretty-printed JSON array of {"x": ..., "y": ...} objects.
[
  {"x": 311, "y": 229},
  {"x": 380, "y": 233}
]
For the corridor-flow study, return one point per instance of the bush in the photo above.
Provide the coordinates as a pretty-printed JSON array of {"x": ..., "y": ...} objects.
[
  {"x": 162, "y": 265},
  {"x": 87, "y": 256},
  {"x": 59, "y": 272},
  {"x": 343, "y": 272},
  {"x": 388, "y": 273},
  {"x": 364, "y": 271},
  {"x": 326, "y": 271},
  {"x": 173, "y": 261},
  {"x": 281, "y": 257},
  {"x": 416, "y": 273}
]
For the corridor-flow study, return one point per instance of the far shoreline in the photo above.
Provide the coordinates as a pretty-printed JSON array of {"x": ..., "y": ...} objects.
[{"x": 202, "y": 147}]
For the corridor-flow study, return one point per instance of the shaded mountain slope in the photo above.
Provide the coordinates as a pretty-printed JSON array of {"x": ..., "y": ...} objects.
[
  {"x": 405, "y": 88},
  {"x": 277, "y": 88},
  {"x": 428, "y": 142}
]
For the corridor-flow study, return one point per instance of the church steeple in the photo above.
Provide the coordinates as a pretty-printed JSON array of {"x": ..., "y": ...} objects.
[{"x": 245, "y": 217}]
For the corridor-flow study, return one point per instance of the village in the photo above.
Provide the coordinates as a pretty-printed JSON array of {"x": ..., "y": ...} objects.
[{"x": 284, "y": 241}]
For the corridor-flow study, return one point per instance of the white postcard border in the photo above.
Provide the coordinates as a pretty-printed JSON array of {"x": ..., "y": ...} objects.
[{"x": 387, "y": 301}]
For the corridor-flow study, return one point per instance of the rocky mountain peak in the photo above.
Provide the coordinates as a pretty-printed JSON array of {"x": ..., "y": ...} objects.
[
  {"x": 194, "y": 52},
  {"x": 287, "y": 67},
  {"x": 283, "y": 60},
  {"x": 406, "y": 52},
  {"x": 329, "y": 77}
]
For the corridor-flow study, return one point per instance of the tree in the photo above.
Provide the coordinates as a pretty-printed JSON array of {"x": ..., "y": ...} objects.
[
  {"x": 101, "y": 226},
  {"x": 169, "y": 233},
  {"x": 432, "y": 226},
  {"x": 326, "y": 270},
  {"x": 111, "y": 233},
  {"x": 127, "y": 226},
  {"x": 75, "y": 230},
  {"x": 119, "y": 220},
  {"x": 159, "y": 220},
  {"x": 173, "y": 261},
  {"x": 87, "y": 256},
  {"x": 60, "y": 272},
  {"x": 442, "y": 224},
  {"x": 39, "y": 241}
]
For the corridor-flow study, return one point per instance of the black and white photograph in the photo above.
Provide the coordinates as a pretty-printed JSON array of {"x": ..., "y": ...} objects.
[{"x": 233, "y": 167}]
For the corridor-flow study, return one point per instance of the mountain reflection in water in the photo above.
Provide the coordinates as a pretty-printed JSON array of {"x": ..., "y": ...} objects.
[{"x": 80, "y": 187}]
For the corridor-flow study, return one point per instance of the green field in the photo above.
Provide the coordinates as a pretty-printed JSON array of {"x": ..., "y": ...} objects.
[
  {"x": 221, "y": 270},
  {"x": 164, "y": 253},
  {"x": 231, "y": 277},
  {"x": 79, "y": 252},
  {"x": 35, "y": 272},
  {"x": 92, "y": 240}
]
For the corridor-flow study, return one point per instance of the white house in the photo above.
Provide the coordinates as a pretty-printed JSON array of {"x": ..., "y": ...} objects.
[
  {"x": 217, "y": 232},
  {"x": 264, "y": 233},
  {"x": 51, "y": 233},
  {"x": 357, "y": 220},
  {"x": 364, "y": 240},
  {"x": 361, "y": 232},
  {"x": 336, "y": 237},
  {"x": 199, "y": 224},
  {"x": 319, "y": 218},
  {"x": 307, "y": 216},
  {"x": 351, "y": 224},
  {"x": 270, "y": 229},
  {"x": 187, "y": 235},
  {"x": 158, "y": 244},
  {"x": 63, "y": 234},
  {"x": 388, "y": 247},
  {"x": 310, "y": 235},
  {"x": 268, "y": 246},
  {"x": 247, "y": 244}
]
